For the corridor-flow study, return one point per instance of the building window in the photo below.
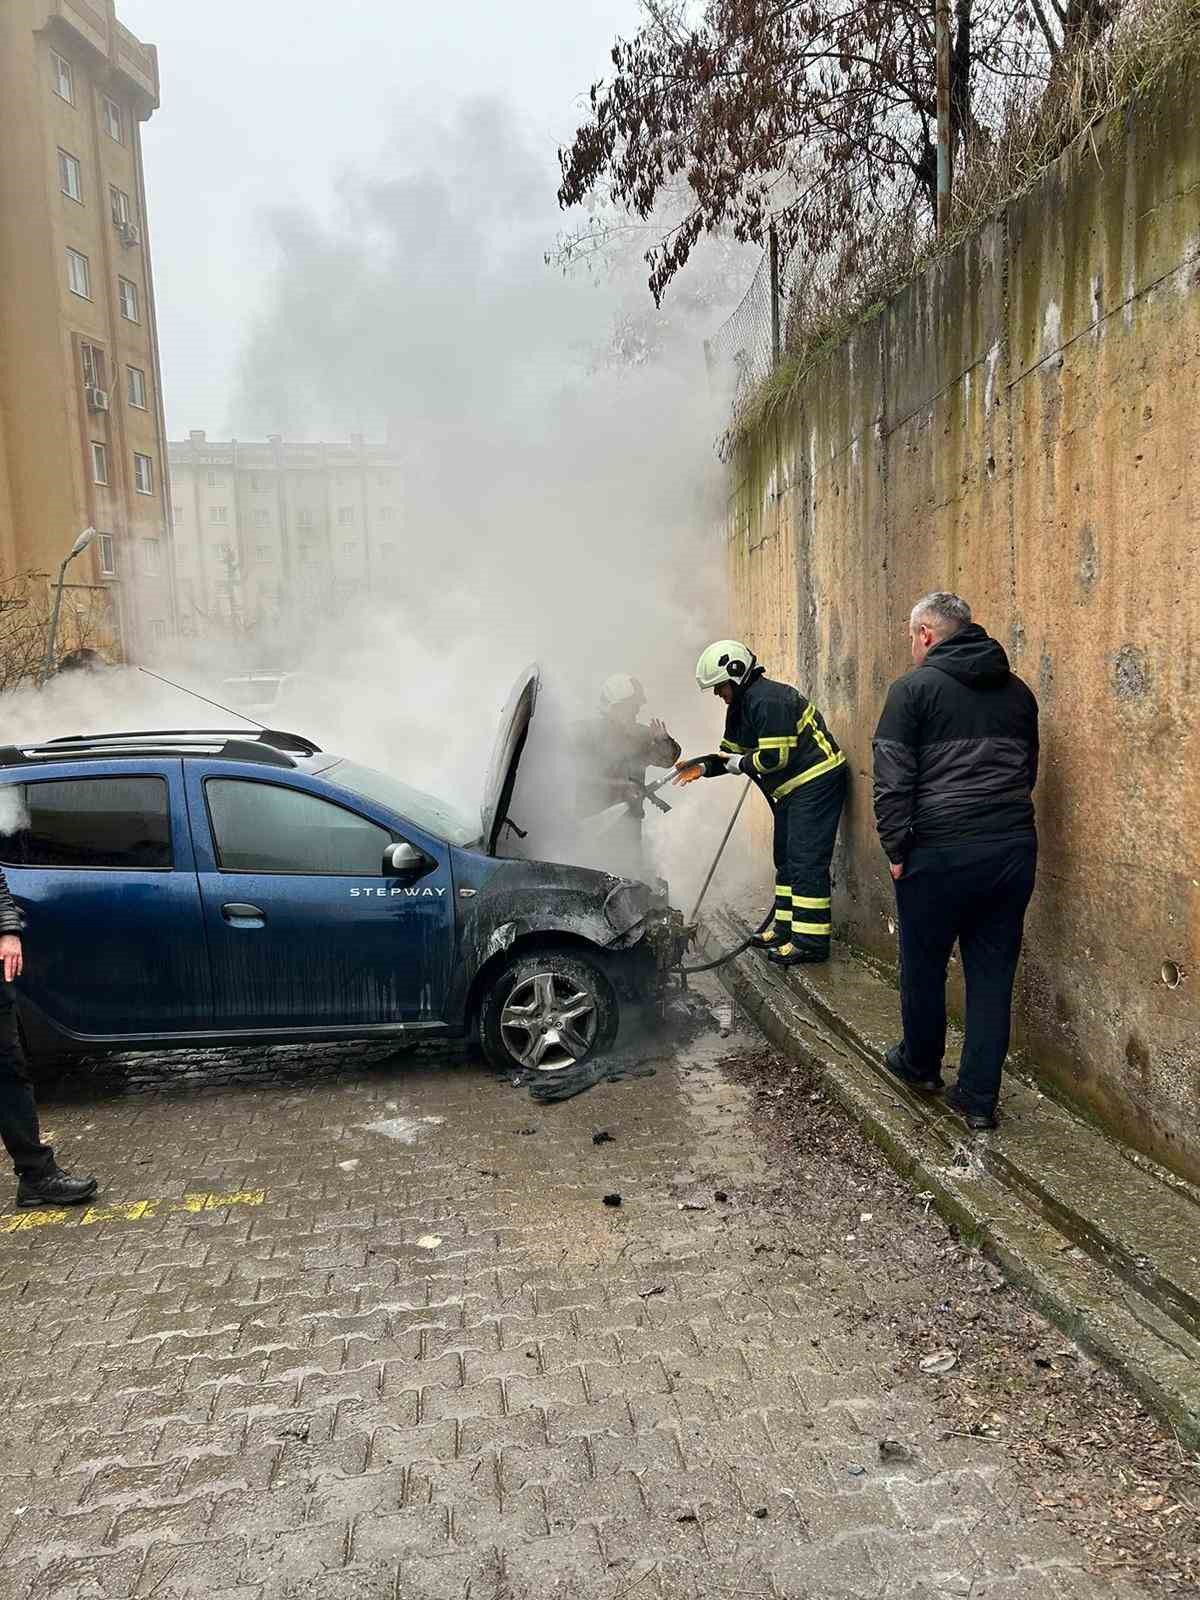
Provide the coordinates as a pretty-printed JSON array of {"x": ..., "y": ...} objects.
[
  {"x": 137, "y": 387},
  {"x": 143, "y": 474},
  {"x": 305, "y": 517},
  {"x": 108, "y": 556},
  {"x": 386, "y": 513},
  {"x": 70, "y": 176},
  {"x": 177, "y": 513},
  {"x": 150, "y": 557},
  {"x": 383, "y": 479},
  {"x": 92, "y": 361},
  {"x": 387, "y": 551},
  {"x": 218, "y": 514},
  {"x": 263, "y": 552},
  {"x": 350, "y": 549},
  {"x": 160, "y": 628},
  {"x": 212, "y": 480},
  {"x": 224, "y": 551},
  {"x": 79, "y": 275},
  {"x": 64, "y": 78},
  {"x": 114, "y": 123},
  {"x": 129, "y": 299},
  {"x": 258, "y": 482},
  {"x": 345, "y": 514},
  {"x": 262, "y": 517},
  {"x": 99, "y": 462},
  {"x": 122, "y": 206}
]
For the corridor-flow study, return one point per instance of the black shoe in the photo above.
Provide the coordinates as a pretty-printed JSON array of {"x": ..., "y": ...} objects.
[
  {"x": 896, "y": 1062},
  {"x": 55, "y": 1188},
  {"x": 977, "y": 1121},
  {"x": 766, "y": 940},
  {"x": 794, "y": 955}
]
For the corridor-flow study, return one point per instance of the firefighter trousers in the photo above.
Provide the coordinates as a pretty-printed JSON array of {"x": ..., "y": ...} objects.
[{"x": 806, "y": 825}]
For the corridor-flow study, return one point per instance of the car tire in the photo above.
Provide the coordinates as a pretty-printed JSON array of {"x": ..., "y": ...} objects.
[{"x": 547, "y": 1013}]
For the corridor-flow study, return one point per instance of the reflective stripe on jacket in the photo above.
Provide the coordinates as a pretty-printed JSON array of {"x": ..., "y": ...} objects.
[{"x": 780, "y": 736}]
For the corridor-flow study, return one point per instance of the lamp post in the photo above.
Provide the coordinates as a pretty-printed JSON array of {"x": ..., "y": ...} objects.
[{"x": 77, "y": 549}]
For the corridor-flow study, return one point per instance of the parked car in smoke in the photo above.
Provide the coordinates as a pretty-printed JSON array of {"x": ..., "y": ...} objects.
[{"x": 251, "y": 888}]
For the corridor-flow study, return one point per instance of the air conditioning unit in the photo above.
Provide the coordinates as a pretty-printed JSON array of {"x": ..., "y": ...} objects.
[
  {"x": 97, "y": 399},
  {"x": 129, "y": 233}
]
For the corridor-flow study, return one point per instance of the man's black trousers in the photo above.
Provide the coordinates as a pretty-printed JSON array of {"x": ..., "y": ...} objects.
[
  {"x": 806, "y": 825},
  {"x": 975, "y": 893},
  {"x": 18, "y": 1111}
]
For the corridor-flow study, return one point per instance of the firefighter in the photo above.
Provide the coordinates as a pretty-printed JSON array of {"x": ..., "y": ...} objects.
[
  {"x": 779, "y": 739},
  {"x": 612, "y": 753}
]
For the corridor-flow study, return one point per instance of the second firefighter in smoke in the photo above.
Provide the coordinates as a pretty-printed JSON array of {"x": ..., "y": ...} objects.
[{"x": 776, "y": 737}]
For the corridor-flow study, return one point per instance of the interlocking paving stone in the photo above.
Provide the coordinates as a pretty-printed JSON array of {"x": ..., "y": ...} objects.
[{"x": 269, "y": 1384}]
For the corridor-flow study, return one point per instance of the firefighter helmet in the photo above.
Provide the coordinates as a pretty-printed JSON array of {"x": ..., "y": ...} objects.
[
  {"x": 727, "y": 661},
  {"x": 618, "y": 689}
]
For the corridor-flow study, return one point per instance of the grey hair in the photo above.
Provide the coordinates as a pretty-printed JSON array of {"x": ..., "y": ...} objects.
[{"x": 945, "y": 613}]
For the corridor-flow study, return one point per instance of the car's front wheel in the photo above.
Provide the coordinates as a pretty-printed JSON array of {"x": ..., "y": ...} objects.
[{"x": 547, "y": 1012}]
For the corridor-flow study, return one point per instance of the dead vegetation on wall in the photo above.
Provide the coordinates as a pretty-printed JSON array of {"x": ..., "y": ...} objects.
[{"x": 1151, "y": 55}]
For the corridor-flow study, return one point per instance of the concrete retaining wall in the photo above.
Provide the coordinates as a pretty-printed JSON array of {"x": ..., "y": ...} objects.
[{"x": 1022, "y": 425}]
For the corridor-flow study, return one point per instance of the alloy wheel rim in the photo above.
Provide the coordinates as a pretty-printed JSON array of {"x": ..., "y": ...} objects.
[{"x": 548, "y": 1022}]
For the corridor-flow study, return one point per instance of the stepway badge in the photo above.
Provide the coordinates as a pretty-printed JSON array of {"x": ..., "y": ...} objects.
[{"x": 407, "y": 894}]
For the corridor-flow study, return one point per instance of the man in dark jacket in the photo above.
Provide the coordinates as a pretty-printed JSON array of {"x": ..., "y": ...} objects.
[
  {"x": 40, "y": 1180},
  {"x": 779, "y": 739},
  {"x": 956, "y": 759}
]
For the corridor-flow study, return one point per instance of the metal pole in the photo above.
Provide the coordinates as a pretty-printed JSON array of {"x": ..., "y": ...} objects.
[
  {"x": 749, "y": 784},
  {"x": 945, "y": 137},
  {"x": 48, "y": 664},
  {"x": 773, "y": 244}
]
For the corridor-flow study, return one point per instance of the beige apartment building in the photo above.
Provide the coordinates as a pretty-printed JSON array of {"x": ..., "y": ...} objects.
[
  {"x": 81, "y": 422},
  {"x": 264, "y": 529}
]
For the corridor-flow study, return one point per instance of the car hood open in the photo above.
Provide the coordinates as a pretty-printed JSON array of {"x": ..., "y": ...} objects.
[{"x": 506, "y": 755}]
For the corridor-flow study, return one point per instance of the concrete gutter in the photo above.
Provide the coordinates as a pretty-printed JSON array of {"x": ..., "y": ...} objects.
[{"x": 1108, "y": 1246}]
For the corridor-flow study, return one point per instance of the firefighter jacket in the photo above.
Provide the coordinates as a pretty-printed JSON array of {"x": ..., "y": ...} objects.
[
  {"x": 611, "y": 758},
  {"x": 956, "y": 749},
  {"x": 780, "y": 736}
]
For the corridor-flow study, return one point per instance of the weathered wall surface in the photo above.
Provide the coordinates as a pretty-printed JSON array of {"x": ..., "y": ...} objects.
[{"x": 1022, "y": 425}]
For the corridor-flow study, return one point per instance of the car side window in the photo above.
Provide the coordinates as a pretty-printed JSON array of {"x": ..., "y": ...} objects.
[
  {"x": 87, "y": 822},
  {"x": 262, "y": 827}
]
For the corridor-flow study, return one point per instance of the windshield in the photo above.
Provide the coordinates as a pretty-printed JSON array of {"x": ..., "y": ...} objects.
[{"x": 435, "y": 816}]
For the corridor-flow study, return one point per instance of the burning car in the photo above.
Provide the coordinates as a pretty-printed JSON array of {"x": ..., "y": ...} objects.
[{"x": 192, "y": 887}]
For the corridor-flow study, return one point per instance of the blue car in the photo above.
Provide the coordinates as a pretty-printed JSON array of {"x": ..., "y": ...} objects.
[{"x": 191, "y": 888}]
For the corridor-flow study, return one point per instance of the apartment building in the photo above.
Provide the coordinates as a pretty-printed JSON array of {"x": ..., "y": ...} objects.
[
  {"x": 264, "y": 529},
  {"x": 82, "y": 437}
]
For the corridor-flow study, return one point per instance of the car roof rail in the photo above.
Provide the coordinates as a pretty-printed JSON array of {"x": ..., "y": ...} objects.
[{"x": 270, "y": 747}]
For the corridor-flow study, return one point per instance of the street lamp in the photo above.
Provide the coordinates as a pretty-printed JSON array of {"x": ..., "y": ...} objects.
[{"x": 77, "y": 549}]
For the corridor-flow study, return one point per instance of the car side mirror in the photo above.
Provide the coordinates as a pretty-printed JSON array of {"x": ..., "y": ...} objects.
[{"x": 403, "y": 858}]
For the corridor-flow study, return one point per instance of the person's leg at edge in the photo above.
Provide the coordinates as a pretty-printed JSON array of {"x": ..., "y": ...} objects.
[
  {"x": 40, "y": 1179},
  {"x": 927, "y": 920},
  {"x": 990, "y": 942},
  {"x": 19, "y": 1126}
]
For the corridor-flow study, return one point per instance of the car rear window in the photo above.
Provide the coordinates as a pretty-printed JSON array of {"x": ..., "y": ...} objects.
[{"x": 87, "y": 822}]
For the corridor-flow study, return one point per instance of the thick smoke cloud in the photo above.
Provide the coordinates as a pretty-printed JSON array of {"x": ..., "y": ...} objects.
[{"x": 558, "y": 505}]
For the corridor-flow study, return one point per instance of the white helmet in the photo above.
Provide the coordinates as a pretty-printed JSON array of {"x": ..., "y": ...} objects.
[
  {"x": 618, "y": 689},
  {"x": 727, "y": 661}
]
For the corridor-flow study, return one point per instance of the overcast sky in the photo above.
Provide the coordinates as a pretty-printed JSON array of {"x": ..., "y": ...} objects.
[{"x": 266, "y": 103}]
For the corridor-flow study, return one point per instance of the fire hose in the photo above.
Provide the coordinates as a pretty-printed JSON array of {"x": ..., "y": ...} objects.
[{"x": 729, "y": 955}]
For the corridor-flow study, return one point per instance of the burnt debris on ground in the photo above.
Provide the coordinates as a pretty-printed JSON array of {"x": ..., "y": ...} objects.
[{"x": 1000, "y": 1377}]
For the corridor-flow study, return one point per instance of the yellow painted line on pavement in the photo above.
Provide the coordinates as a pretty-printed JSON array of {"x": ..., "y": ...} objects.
[{"x": 129, "y": 1210}]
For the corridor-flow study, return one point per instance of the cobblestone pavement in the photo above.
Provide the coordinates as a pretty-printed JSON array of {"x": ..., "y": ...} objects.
[{"x": 360, "y": 1329}]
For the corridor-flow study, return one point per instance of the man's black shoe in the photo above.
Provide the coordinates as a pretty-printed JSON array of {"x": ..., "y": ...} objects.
[
  {"x": 896, "y": 1062},
  {"x": 56, "y": 1188},
  {"x": 793, "y": 955},
  {"x": 977, "y": 1121}
]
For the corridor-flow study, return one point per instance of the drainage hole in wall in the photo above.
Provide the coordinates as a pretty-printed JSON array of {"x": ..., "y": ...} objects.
[{"x": 1172, "y": 974}]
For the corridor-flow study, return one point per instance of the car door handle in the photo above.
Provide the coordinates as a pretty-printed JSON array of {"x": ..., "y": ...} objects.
[{"x": 239, "y": 915}]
